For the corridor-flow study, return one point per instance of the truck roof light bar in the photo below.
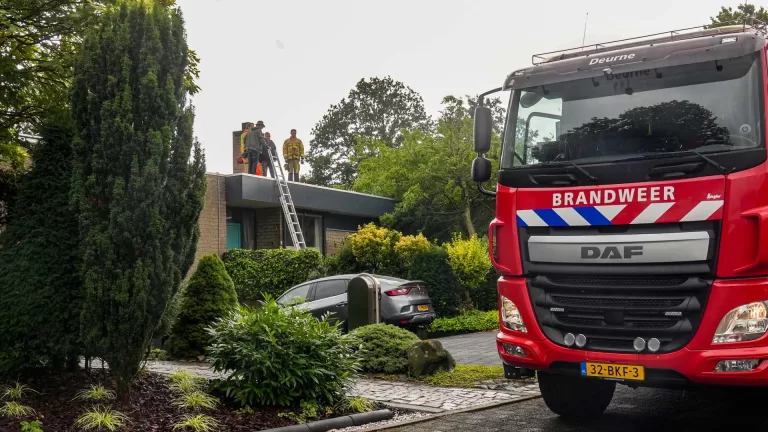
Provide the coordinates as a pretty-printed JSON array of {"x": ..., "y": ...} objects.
[{"x": 747, "y": 25}]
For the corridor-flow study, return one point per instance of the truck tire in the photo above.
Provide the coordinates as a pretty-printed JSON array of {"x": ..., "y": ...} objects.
[{"x": 575, "y": 398}]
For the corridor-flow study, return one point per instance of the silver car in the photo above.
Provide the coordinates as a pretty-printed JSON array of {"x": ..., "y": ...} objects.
[{"x": 404, "y": 303}]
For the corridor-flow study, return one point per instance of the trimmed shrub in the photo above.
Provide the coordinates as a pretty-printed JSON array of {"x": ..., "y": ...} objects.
[
  {"x": 384, "y": 348},
  {"x": 374, "y": 249},
  {"x": 469, "y": 321},
  {"x": 408, "y": 247},
  {"x": 469, "y": 259},
  {"x": 443, "y": 287},
  {"x": 281, "y": 356},
  {"x": 210, "y": 295},
  {"x": 40, "y": 286},
  {"x": 270, "y": 271},
  {"x": 486, "y": 295}
]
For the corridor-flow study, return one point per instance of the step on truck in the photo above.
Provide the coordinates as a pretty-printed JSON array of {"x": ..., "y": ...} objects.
[{"x": 631, "y": 228}]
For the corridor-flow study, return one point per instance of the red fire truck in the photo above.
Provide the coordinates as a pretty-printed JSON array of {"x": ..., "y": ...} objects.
[{"x": 631, "y": 229}]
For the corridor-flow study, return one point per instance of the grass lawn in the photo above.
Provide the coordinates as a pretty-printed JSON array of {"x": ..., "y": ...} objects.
[{"x": 463, "y": 376}]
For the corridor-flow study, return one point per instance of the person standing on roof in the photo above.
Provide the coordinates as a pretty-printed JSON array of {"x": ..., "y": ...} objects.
[
  {"x": 242, "y": 160},
  {"x": 266, "y": 164},
  {"x": 255, "y": 145},
  {"x": 293, "y": 152}
]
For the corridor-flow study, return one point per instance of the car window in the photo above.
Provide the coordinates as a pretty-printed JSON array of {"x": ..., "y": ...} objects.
[
  {"x": 330, "y": 288},
  {"x": 295, "y": 295}
]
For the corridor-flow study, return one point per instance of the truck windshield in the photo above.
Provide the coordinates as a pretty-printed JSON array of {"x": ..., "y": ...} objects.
[{"x": 708, "y": 107}]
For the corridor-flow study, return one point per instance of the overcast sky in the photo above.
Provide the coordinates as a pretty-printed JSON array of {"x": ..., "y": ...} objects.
[{"x": 285, "y": 62}]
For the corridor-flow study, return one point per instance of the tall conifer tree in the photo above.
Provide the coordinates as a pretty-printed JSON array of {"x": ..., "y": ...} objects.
[{"x": 138, "y": 178}]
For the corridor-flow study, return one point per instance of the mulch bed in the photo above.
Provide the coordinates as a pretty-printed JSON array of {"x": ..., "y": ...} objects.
[{"x": 151, "y": 406}]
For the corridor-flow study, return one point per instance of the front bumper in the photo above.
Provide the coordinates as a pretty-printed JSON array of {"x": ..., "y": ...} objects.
[{"x": 693, "y": 364}]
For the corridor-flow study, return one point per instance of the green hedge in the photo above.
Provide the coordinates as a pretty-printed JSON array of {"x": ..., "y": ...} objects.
[
  {"x": 270, "y": 271},
  {"x": 443, "y": 287},
  {"x": 486, "y": 295},
  {"x": 470, "y": 321}
]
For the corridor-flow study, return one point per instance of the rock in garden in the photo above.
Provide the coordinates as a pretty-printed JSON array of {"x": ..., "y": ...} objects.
[{"x": 428, "y": 357}]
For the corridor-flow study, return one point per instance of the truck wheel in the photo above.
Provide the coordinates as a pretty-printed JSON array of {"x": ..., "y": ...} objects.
[{"x": 575, "y": 398}]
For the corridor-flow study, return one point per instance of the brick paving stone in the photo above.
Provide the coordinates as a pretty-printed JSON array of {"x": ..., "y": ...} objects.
[{"x": 443, "y": 398}]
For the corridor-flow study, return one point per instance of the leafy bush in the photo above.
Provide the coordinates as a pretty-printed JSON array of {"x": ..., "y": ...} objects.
[
  {"x": 374, "y": 248},
  {"x": 469, "y": 321},
  {"x": 408, "y": 247},
  {"x": 384, "y": 347},
  {"x": 444, "y": 290},
  {"x": 280, "y": 356},
  {"x": 32, "y": 426},
  {"x": 270, "y": 271},
  {"x": 210, "y": 295},
  {"x": 469, "y": 260}
]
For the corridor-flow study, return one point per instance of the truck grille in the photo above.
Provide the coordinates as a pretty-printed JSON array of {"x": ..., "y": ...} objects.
[{"x": 612, "y": 311}]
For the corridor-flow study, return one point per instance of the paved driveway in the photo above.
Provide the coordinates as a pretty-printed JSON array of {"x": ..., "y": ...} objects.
[
  {"x": 473, "y": 348},
  {"x": 631, "y": 411}
]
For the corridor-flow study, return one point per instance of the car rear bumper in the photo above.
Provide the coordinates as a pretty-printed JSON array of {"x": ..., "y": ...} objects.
[
  {"x": 694, "y": 364},
  {"x": 411, "y": 319}
]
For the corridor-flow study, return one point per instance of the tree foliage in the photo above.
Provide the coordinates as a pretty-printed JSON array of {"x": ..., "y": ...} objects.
[
  {"x": 676, "y": 126},
  {"x": 376, "y": 108},
  {"x": 743, "y": 13},
  {"x": 40, "y": 289},
  {"x": 210, "y": 295},
  {"x": 138, "y": 178},
  {"x": 429, "y": 176},
  {"x": 39, "y": 41}
]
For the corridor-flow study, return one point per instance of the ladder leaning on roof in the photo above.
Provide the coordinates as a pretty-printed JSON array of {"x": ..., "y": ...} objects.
[{"x": 291, "y": 218}]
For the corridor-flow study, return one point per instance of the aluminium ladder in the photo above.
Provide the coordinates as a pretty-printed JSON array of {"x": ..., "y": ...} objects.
[{"x": 291, "y": 218}]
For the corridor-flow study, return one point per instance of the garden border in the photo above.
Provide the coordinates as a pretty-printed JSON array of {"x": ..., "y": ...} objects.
[{"x": 337, "y": 422}]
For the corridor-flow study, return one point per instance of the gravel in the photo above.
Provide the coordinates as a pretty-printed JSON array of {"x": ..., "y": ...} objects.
[{"x": 399, "y": 417}]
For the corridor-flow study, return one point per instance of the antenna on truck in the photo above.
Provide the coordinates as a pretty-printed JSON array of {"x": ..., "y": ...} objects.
[{"x": 584, "y": 37}]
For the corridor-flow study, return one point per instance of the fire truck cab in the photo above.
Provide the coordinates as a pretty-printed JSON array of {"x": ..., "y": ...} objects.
[{"x": 631, "y": 229}]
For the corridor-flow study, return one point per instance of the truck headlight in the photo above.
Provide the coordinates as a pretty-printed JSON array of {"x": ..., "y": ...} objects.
[
  {"x": 744, "y": 323},
  {"x": 510, "y": 316}
]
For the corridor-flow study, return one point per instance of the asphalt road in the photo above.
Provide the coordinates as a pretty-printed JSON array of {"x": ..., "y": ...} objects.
[{"x": 631, "y": 410}]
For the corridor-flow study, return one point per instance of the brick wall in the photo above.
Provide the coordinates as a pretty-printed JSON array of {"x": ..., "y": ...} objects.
[
  {"x": 213, "y": 219},
  {"x": 334, "y": 239},
  {"x": 269, "y": 228}
]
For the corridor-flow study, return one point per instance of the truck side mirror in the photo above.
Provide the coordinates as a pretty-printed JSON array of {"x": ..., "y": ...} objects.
[
  {"x": 481, "y": 169},
  {"x": 482, "y": 131}
]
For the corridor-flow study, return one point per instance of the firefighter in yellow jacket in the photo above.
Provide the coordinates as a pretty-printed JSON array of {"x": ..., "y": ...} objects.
[
  {"x": 293, "y": 153},
  {"x": 243, "y": 160}
]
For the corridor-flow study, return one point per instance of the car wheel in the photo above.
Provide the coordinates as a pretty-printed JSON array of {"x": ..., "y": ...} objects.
[
  {"x": 575, "y": 398},
  {"x": 422, "y": 332}
]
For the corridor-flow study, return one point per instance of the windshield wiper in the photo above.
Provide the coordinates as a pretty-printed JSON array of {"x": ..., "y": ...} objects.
[
  {"x": 569, "y": 163},
  {"x": 707, "y": 159}
]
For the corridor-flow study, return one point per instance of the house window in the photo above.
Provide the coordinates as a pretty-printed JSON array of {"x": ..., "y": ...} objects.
[
  {"x": 312, "y": 228},
  {"x": 242, "y": 222}
]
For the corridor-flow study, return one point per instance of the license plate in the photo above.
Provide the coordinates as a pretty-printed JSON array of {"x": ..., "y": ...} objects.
[
  {"x": 423, "y": 308},
  {"x": 614, "y": 371}
]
